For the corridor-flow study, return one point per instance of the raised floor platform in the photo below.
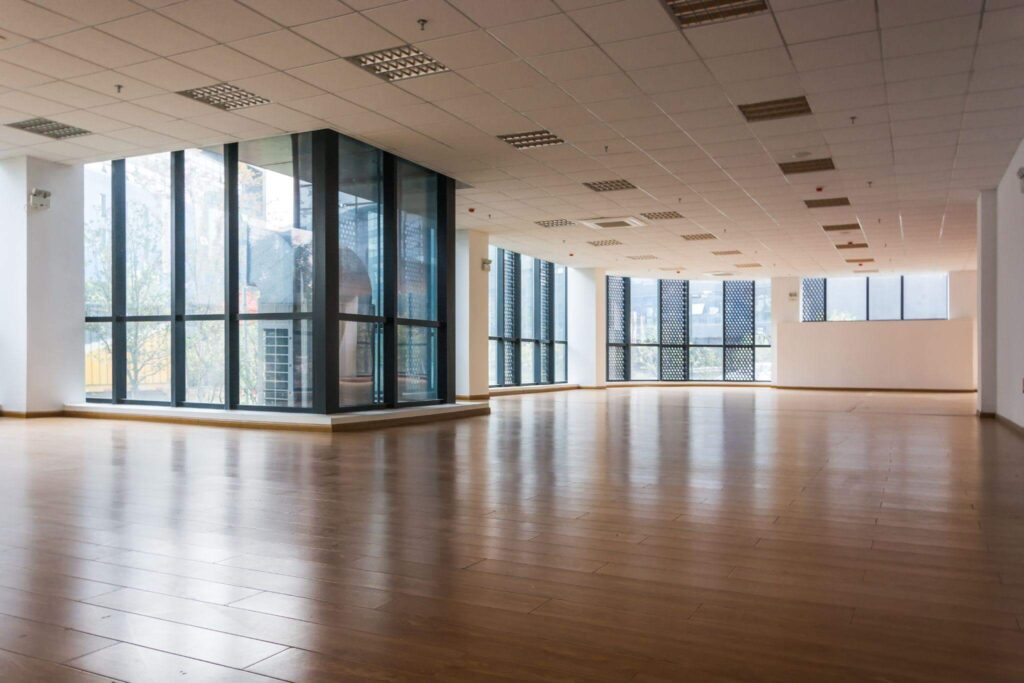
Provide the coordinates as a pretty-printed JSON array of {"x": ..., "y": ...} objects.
[{"x": 258, "y": 419}]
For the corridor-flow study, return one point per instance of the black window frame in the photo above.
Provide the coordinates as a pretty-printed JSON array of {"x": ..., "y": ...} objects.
[
  {"x": 325, "y": 316},
  {"x": 867, "y": 302}
]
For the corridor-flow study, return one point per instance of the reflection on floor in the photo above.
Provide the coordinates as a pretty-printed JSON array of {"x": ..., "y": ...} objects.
[{"x": 647, "y": 534}]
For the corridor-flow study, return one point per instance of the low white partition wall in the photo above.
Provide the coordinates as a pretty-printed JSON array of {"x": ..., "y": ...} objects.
[{"x": 933, "y": 355}]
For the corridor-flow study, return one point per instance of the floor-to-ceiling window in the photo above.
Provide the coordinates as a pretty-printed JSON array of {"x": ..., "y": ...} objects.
[
  {"x": 527, "y": 320},
  {"x": 214, "y": 277},
  {"x": 696, "y": 330}
]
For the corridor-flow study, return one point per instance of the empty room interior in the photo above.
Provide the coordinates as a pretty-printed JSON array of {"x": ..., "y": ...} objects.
[{"x": 512, "y": 340}]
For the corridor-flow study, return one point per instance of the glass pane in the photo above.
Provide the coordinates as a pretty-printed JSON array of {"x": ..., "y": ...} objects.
[
  {"x": 148, "y": 360},
  {"x": 204, "y": 361},
  {"x": 492, "y": 362},
  {"x": 359, "y": 228},
  {"x": 204, "y": 231},
  {"x": 99, "y": 361},
  {"x": 274, "y": 362},
  {"x": 528, "y": 362},
  {"x": 846, "y": 298},
  {"x": 884, "y": 297},
  {"x": 527, "y": 311},
  {"x": 360, "y": 363},
  {"x": 560, "y": 293},
  {"x": 763, "y": 364},
  {"x": 148, "y": 235},
  {"x": 643, "y": 362},
  {"x": 98, "y": 254},
  {"x": 925, "y": 297},
  {"x": 643, "y": 311},
  {"x": 417, "y": 242},
  {"x": 417, "y": 363},
  {"x": 763, "y": 312},
  {"x": 492, "y": 292},
  {"x": 560, "y": 363},
  {"x": 275, "y": 236},
  {"x": 705, "y": 313},
  {"x": 705, "y": 364}
]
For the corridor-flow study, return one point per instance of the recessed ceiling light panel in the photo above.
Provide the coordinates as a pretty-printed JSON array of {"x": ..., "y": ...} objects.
[
  {"x": 225, "y": 96},
  {"x": 807, "y": 166},
  {"x": 398, "y": 63},
  {"x": 827, "y": 203},
  {"x": 728, "y": 252},
  {"x": 698, "y": 236},
  {"x": 555, "y": 223},
  {"x": 841, "y": 227},
  {"x": 609, "y": 185},
  {"x": 775, "y": 109},
  {"x": 661, "y": 215},
  {"x": 748, "y": 265},
  {"x": 698, "y": 12},
  {"x": 532, "y": 139},
  {"x": 643, "y": 257},
  {"x": 860, "y": 260},
  {"x": 604, "y": 243},
  {"x": 852, "y": 245},
  {"x": 48, "y": 128}
]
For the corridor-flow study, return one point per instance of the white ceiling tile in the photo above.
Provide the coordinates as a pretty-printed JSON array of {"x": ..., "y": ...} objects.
[
  {"x": 751, "y": 65},
  {"x": 467, "y": 50},
  {"x": 381, "y": 97},
  {"x": 843, "y": 77},
  {"x": 488, "y": 13},
  {"x": 541, "y": 36},
  {"x": 222, "y": 20},
  {"x": 337, "y": 75},
  {"x": 439, "y": 87},
  {"x": 840, "y": 51},
  {"x": 535, "y": 97},
  {"x": 132, "y": 114},
  {"x": 99, "y": 48},
  {"x": 283, "y": 50},
  {"x": 1005, "y": 24},
  {"x": 900, "y": 12},
  {"x": 295, "y": 13},
  {"x": 222, "y": 63},
  {"x": 32, "y": 104},
  {"x": 107, "y": 82},
  {"x": 623, "y": 20},
  {"x": 93, "y": 11},
  {"x": 733, "y": 37},
  {"x": 650, "y": 51},
  {"x": 156, "y": 33},
  {"x": 837, "y": 18},
  {"x": 401, "y": 18},
  {"x": 13, "y": 76},
  {"x": 32, "y": 21},
  {"x": 45, "y": 59},
  {"x": 281, "y": 117},
  {"x": 929, "y": 37},
  {"x": 598, "y": 88},
  {"x": 662, "y": 79},
  {"x": 70, "y": 94},
  {"x": 348, "y": 35},
  {"x": 168, "y": 75},
  {"x": 90, "y": 121},
  {"x": 504, "y": 76},
  {"x": 174, "y": 105},
  {"x": 277, "y": 87},
  {"x": 928, "y": 65},
  {"x": 573, "y": 64}
]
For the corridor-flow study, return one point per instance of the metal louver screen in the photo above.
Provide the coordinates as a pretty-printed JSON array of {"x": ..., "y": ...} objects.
[
  {"x": 616, "y": 363},
  {"x": 674, "y": 306},
  {"x": 545, "y": 363},
  {"x": 511, "y": 363},
  {"x": 673, "y": 364},
  {"x": 511, "y": 286},
  {"x": 547, "y": 279},
  {"x": 739, "y": 312},
  {"x": 739, "y": 364},
  {"x": 812, "y": 307},
  {"x": 616, "y": 310}
]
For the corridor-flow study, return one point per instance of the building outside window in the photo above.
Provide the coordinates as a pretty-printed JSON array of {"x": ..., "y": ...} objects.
[
  {"x": 527, "y": 320},
  {"x": 920, "y": 296},
  {"x": 302, "y": 272}
]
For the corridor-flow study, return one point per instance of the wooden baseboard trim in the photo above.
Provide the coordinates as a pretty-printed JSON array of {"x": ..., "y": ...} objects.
[
  {"x": 473, "y": 397},
  {"x": 203, "y": 422},
  {"x": 383, "y": 422},
  {"x": 879, "y": 390},
  {"x": 1009, "y": 423},
  {"x": 985, "y": 415},
  {"x": 540, "y": 389},
  {"x": 32, "y": 414}
]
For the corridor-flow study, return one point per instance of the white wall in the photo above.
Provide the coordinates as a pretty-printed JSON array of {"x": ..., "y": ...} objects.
[
  {"x": 985, "y": 338},
  {"x": 1010, "y": 293},
  {"x": 585, "y": 326},
  {"x": 41, "y": 287},
  {"x": 471, "y": 309},
  {"x": 785, "y": 309}
]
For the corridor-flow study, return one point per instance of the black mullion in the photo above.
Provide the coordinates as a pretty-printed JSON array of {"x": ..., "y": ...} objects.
[
  {"x": 325, "y": 270},
  {"x": 178, "y": 278},
  {"x": 119, "y": 274},
  {"x": 389, "y": 207},
  {"x": 231, "y": 394},
  {"x": 627, "y": 336},
  {"x": 446, "y": 288},
  {"x": 753, "y": 332},
  {"x": 500, "y": 303},
  {"x": 660, "y": 331},
  {"x": 517, "y": 317}
]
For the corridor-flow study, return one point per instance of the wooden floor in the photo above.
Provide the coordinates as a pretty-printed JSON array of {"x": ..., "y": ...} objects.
[{"x": 627, "y": 535}]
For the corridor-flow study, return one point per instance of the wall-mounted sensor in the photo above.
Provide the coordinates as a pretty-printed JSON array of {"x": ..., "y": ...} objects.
[
  {"x": 39, "y": 199},
  {"x": 485, "y": 265}
]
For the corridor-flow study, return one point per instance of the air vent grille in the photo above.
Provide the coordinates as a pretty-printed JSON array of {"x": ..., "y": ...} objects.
[
  {"x": 609, "y": 185},
  {"x": 225, "y": 96},
  {"x": 866, "y": 270},
  {"x": 748, "y": 265},
  {"x": 661, "y": 215},
  {"x": 775, "y": 109},
  {"x": 698, "y": 236},
  {"x": 728, "y": 252},
  {"x": 841, "y": 227},
  {"x": 643, "y": 257},
  {"x": 398, "y": 63},
  {"x": 807, "y": 166},
  {"x": 48, "y": 128},
  {"x": 555, "y": 223},
  {"x": 532, "y": 139},
  {"x": 604, "y": 243},
  {"x": 718, "y": 273},
  {"x": 697, "y": 12},
  {"x": 826, "y": 203},
  {"x": 852, "y": 245},
  {"x": 669, "y": 268},
  {"x": 860, "y": 260}
]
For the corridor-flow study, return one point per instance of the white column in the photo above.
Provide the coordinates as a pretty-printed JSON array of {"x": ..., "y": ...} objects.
[
  {"x": 586, "y": 327},
  {"x": 41, "y": 287},
  {"x": 471, "y": 309},
  {"x": 985, "y": 345},
  {"x": 785, "y": 309}
]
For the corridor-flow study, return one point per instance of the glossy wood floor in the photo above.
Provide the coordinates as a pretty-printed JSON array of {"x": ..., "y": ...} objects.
[{"x": 626, "y": 535}]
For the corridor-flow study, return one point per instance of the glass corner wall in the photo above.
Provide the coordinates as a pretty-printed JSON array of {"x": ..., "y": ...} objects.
[{"x": 306, "y": 272}]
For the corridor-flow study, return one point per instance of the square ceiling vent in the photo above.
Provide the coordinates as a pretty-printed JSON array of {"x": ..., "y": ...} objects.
[
  {"x": 532, "y": 139},
  {"x": 398, "y": 63},
  {"x": 698, "y": 236},
  {"x": 661, "y": 215},
  {"x": 610, "y": 222},
  {"x": 697, "y": 12},
  {"x": 807, "y": 166},
  {"x": 775, "y": 109},
  {"x": 609, "y": 185},
  {"x": 224, "y": 96},
  {"x": 826, "y": 203},
  {"x": 860, "y": 260},
  {"x": 48, "y": 128},
  {"x": 555, "y": 223}
]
